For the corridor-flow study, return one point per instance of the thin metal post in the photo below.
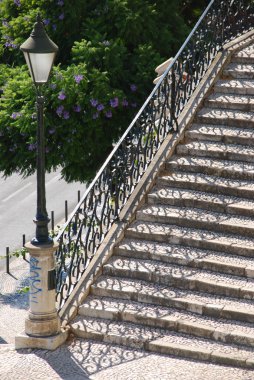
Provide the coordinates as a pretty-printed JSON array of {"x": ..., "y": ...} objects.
[
  {"x": 23, "y": 244},
  {"x": 8, "y": 260},
  {"x": 66, "y": 211},
  {"x": 78, "y": 196},
  {"x": 52, "y": 221}
]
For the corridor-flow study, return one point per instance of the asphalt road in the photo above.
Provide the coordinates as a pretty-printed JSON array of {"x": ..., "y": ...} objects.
[{"x": 18, "y": 206}]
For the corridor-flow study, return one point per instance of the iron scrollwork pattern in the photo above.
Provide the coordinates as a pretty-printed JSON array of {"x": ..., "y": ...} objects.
[{"x": 104, "y": 199}]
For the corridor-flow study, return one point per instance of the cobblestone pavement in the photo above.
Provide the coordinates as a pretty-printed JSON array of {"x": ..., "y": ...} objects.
[{"x": 79, "y": 359}]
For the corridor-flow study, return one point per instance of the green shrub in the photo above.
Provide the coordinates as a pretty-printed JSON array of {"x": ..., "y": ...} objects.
[{"x": 108, "y": 52}]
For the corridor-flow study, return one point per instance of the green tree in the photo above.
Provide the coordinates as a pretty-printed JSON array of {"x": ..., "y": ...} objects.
[{"x": 108, "y": 52}]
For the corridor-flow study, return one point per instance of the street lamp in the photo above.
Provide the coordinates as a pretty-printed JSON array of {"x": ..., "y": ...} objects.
[
  {"x": 43, "y": 324},
  {"x": 40, "y": 52}
]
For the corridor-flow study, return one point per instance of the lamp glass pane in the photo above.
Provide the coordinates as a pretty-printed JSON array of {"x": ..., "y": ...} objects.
[{"x": 39, "y": 65}]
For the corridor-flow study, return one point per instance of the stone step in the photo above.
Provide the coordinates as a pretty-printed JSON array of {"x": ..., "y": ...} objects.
[
  {"x": 197, "y": 218},
  {"x": 226, "y": 117},
  {"x": 220, "y": 133},
  {"x": 207, "y": 183},
  {"x": 228, "y": 101},
  {"x": 239, "y": 70},
  {"x": 238, "y": 170},
  {"x": 245, "y": 55},
  {"x": 200, "y": 303},
  {"x": 180, "y": 276},
  {"x": 198, "y": 238},
  {"x": 235, "y": 86},
  {"x": 188, "y": 256},
  {"x": 168, "y": 318},
  {"x": 217, "y": 150},
  {"x": 198, "y": 199},
  {"x": 162, "y": 341}
]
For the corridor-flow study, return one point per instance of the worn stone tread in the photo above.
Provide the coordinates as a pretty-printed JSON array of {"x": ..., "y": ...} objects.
[
  {"x": 231, "y": 101},
  {"x": 198, "y": 238},
  {"x": 190, "y": 217},
  {"x": 180, "y": 276},
  {"x": 235, "y": 86},
  {"x": 199, "y": 199},
  {"x": 197, "y": 258},
  {"x": 210, "y": 183},
  {"x": 161, "y": 340},
  {"x": 229, "y": 117},
  {"x": 217, "y": 150},
  {"x": 201, "y": 303},
  {"x": 245, "y": 55},
  {"x": 221, "y": 133},
  {"x": 213, "y": 166},
  {"x": 169, "y": 318},
  {"x": 240, "y": 70}
]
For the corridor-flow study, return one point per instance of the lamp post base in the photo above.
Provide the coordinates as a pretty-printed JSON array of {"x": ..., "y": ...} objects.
[
  {"x": 43, "y": 325},
  {"x": 45, "y": 343}
]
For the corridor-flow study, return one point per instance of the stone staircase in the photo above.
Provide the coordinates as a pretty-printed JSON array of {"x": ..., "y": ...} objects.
[{"x": 181, "y": 282}]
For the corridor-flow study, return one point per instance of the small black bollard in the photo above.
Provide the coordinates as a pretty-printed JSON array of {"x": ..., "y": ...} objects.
[
  {"x": 23, "y": 244},
  {"x": 8, "y": 260},
  {"x": 66, "y": 211},
  {"x": 78, "y": 196},
  {"x": 52, "y": 221}
]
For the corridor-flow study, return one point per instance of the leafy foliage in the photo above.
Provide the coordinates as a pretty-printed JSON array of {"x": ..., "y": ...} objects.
[{"x": 108, "y": 52}]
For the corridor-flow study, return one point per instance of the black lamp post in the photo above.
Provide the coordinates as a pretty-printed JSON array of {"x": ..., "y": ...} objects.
[{"x": 40, "y": 52}]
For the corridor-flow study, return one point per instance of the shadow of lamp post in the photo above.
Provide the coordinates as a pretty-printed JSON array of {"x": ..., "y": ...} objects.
[{"x": 42, "y": 326}]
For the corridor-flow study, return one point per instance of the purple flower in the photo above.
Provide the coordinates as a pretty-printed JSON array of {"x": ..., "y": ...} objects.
[
  {"x": 66, "y": 115},
  {"x": 15, "y": 115},
  {"x": 78, "y": 78},
  {"x": 94, "y": 102},
  {"x": 46, "y": 21},
  {"x": 17, "y": 2},
  {"x": 100, "y": 107},
  {"x": 125, "y": 103},
  {"x": 60, "y": 3},
  {"x": 108, "y": 114},
  {"x": 5, "y": 23},
  {"x": 114, "y": 102},
  {"x": 134, "y": 105},
  {"x": 61, "y": 95},
  {"x": 133, "y": 87},
  {"x": 59, "y": 110},
  {"x": 54, "y": 26},
  {"x": 77, "y": 108},
  {"x": 52, "y": 131},
  {"x": 61, "y": 16},
  {"x": 53, "y": 86},
  {"x": 32, "y": 147},
  {"x": 95, "y": 115}
]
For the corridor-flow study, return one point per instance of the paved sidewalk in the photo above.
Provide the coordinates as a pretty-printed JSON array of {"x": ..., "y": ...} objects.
[{"x": 79, "y": 359}]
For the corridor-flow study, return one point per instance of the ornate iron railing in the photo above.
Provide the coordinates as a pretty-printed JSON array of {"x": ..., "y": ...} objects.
[{"x": 99, "y": 208}]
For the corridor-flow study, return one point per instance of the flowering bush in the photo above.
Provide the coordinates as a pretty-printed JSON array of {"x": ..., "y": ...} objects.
[{"x": 104, "y": 71}]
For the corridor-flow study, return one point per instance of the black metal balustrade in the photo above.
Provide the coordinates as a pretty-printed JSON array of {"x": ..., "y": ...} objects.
[{"x": 99, "y": 208}]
